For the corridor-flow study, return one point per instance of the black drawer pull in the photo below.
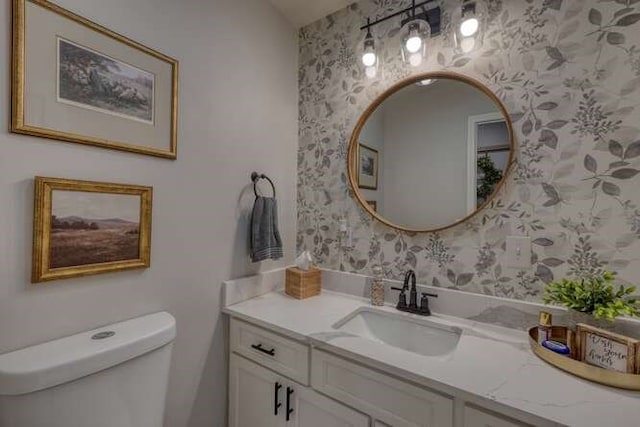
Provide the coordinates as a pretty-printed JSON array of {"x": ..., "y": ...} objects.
[
  {"x": 289, "y": 408},
  {"x": 276, "y": 404},
  {"x": 259, "y": 347}
]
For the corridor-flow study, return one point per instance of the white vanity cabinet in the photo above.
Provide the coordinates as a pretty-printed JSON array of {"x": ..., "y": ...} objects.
[{"x": 275, "y": 381}]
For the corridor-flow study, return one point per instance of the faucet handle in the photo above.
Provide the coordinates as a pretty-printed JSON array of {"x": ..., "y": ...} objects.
[
  {"x": 424, "y": 303},
  {"x": 402, "y": 298}
]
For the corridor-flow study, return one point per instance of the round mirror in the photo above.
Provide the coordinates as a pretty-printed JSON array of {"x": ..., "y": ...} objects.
[{"x": 430, "y": 152}]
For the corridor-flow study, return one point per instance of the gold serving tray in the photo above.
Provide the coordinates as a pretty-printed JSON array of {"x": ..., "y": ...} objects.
[{"x": 577, "y": 368}]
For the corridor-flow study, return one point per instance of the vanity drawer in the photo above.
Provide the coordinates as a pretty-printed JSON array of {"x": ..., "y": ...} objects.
[
  {"x": 474, "y": 417},
  {"x": 283, "y": 355},
  {"x": 389, "y": 400}
]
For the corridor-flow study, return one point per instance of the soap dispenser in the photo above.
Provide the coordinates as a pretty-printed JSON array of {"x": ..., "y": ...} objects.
[{"x": 377, "y": 286}]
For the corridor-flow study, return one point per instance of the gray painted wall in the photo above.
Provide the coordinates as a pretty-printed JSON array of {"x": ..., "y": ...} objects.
[
  {"x": 238, "y": 113},
  {"x": 372, "y": 135}
]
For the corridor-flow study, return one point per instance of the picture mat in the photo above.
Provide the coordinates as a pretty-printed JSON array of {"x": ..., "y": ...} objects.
[
  {"x": 61, "y": 43},
  {"x": 42, "y": 27}
]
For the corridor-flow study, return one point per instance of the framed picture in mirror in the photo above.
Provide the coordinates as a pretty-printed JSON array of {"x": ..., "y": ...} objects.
[
  {"x": 373, "y": 204},
  {"x": 367, "y": 167}
]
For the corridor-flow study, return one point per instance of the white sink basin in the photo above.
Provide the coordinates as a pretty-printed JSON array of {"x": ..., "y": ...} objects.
[{"x": 403, "y": 331}]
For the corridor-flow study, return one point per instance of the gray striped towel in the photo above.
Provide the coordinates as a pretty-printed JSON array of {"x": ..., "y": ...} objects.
[{"x": 265, "y": 237}]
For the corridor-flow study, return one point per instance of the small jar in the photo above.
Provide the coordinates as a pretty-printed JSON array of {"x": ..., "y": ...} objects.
[
  {"x": 544, "y": 327},
  {"x": 377, "y": 286}
]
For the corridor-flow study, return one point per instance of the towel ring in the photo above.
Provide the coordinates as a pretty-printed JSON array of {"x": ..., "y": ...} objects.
[{"x": 255, "y": 177}]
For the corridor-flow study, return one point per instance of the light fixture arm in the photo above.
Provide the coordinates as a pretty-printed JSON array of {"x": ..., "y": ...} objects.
[
  {"x": 431, "y": 15},
  {"x": 468, "y": 6},
  {"x": 368, "y": 27}
]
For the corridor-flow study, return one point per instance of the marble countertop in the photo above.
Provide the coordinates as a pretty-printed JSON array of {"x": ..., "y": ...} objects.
[{"x": 491, "y": 366}]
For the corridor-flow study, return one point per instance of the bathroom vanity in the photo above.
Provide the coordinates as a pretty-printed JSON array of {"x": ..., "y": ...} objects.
[{"x": 333, "y": 360}]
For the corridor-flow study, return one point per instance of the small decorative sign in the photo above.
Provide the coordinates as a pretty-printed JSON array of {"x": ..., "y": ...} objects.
[{"x": 606, "y": 349}]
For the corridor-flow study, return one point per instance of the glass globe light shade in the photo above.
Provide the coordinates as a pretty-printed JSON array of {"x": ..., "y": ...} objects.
[
  {"x": 415, "y": 35},
  {"x": 369, "y": 56},
  {"x": 467, "y": 24}
]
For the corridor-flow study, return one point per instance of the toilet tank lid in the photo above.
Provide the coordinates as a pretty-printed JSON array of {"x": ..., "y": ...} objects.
[{"x": 67, "y": 359}]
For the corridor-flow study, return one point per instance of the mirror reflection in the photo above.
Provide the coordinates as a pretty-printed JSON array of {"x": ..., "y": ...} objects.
[{"x": 431, "y": 153}]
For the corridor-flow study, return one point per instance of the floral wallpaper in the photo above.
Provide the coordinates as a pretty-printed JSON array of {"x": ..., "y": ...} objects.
[{"x": 568, "y": 72}]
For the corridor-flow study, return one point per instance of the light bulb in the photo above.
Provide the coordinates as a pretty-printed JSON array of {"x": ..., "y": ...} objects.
[
  {"x": 467, "y": 44},
  {"x": 415, "y": 59},
  {"x": 369, "y": 56},
  {"x": 413, "y": 44},
  {"x": 371, "y": 72},
  {"x": 369, "y": 59},
  {"x": 469, "y": 27}
]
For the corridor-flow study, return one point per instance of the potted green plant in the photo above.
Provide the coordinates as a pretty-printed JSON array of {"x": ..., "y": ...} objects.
[{"x": 596, "y": 301}]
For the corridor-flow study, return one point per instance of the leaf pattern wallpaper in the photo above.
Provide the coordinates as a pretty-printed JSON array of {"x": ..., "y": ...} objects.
[{"x": 568, "y": 72}]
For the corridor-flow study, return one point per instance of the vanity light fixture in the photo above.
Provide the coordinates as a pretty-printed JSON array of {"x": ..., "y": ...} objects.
[
  {"x": 419, "y": 22},
  {"x": 369, "y": 55},
  {"x": 467, "y": 24}
]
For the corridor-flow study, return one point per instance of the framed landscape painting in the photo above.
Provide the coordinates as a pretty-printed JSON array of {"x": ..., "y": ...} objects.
[
  {"x": 367, "y": 167},
  {"x": 74, "y": 80},
  {"x": 84, "y": 227}
]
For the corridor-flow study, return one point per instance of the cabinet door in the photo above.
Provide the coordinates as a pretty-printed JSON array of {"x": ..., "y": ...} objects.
[
  {"x": 387, "y": 399},
  {"x": 476, "y": 418},
  {"x": 311, "y": 409},
  {"x": 252, "y": 395}
]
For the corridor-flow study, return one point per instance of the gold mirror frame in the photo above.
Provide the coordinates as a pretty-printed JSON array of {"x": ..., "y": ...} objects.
[{"x": 353, "y": 145}]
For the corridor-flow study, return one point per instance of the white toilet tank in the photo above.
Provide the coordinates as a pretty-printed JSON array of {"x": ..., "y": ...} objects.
[{"x": 115, "y": 376}]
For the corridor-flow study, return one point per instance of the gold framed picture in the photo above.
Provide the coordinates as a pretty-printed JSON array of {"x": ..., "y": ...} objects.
[
  {"x": 606, "y": 349},
  {"x": 367, "y": 167},
  {"x": 84, "y": 227},
  {"x": 76, "y": 81}
]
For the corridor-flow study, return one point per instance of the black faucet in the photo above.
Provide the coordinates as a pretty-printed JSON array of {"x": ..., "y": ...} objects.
[
  {"x": 413, "y": 293},
  {"x": 412, "y": 307}
]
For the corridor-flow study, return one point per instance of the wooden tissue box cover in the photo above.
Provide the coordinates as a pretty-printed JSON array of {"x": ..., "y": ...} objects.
[{"x": 303, "y": 284}]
